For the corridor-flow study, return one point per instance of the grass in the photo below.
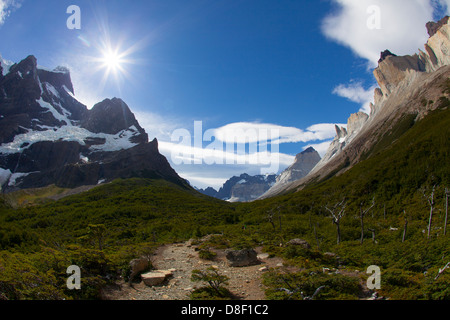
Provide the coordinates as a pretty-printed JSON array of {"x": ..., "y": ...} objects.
[{"x": 133, "y": 217}]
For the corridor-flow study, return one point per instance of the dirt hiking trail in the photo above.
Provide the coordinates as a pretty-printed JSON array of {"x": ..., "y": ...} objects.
[{"x": 245, "y": 282}]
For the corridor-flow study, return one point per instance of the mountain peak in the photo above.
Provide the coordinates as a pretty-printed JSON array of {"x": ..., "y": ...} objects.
[
  {"x": 433, "y": 27},
  {"x": 112, "y": 116},
  {"x": 309, "y": 150},
  {"x": 48, "y": 137}
]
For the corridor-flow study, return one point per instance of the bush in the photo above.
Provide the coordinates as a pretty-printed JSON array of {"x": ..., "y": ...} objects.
[
  {"x": 206, "y": 254},
  {"x": 214, "y": 280}
]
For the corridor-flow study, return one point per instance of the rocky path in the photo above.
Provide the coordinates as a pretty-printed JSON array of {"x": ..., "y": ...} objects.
[{"x": 245, "y": 282}]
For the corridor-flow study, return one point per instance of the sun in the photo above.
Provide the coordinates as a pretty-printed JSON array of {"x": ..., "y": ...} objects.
[{"x": 112, "y": 60}]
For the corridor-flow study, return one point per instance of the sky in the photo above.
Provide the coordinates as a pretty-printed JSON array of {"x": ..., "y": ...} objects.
[{"x": 226, "y": 86}]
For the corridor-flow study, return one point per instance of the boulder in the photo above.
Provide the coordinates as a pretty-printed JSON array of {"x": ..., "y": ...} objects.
[
  {"x": 300, "y": 242},
  {"x": 137, "y": 266},
  {"x": 242, "y": 258},
  {"x": 154, "y": 278}
]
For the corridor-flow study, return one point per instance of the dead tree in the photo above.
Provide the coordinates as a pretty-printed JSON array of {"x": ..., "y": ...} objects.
[
  {"x": 405, "y": 227},
  {"x": 373, "y": 235},
  {"x": 270, "y": 216},
  {"x": 441, "y": 271},
  {"x": 431, "y": 202},
  {"x": 292, "y": 291},
  {"x": 362, "y": 214},
  {"x": 447, "y": 192},
  {"x": 337, "y": 213}
]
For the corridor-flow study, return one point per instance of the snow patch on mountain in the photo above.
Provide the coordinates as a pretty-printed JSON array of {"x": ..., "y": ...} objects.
[
  {"x": 5, "y": 65},
  {"x": 13, "y": 179},
  {"x": 5, "y": 175},
  {"x": 116, "y": 142}
]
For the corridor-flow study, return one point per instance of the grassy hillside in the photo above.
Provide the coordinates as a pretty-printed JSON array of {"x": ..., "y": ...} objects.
[{"x": 103, "y": 229}]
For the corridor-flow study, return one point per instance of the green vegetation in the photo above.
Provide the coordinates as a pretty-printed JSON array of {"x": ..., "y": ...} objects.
[
  {"x": 103, "y": 229},
  {"x": 215, "y": 289}
]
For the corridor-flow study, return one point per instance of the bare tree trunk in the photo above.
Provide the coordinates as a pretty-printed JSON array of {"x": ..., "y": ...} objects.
[
  {"x": 338, "y": 216},
  {"x": 431, "y": 202},
  {"x": 362, "y": 225},
  {"x": 317, "y": 237},
  {"x": 405, "y": 228},
  {"x": 446, "y": 210},
  {"x": 338, "y": 224},
  {"x": 362, "y": 215},
  {"x": 373, "y": 235}
]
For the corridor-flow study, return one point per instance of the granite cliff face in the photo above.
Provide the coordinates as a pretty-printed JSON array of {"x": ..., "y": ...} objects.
[
  {"x": 409, "y": 85},
  {"x": 302, "y": 166},
  {"x": 48, "y": 137}
]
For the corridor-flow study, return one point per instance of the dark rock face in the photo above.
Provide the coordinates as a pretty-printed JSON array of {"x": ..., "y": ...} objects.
[
  {"x": 244, "y": 188},
  {"x": 211, "y": 192},
  {"x": 111, "y": 117},
  {"x": 48, "y": 137},
  {"x": 385, "y": 54},
  {"x": 433, "y": 27}
]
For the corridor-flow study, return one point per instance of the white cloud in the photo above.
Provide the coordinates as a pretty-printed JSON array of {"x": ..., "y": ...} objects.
[
  {"x": 156, "y": 126},
  {"x": 355, "y": 92},
  {"x": 401, "y": 29},
  {"x": 7, "y": 7},
  {"x": 237, "y": 148},
  {"x": 246, "y": 132}
]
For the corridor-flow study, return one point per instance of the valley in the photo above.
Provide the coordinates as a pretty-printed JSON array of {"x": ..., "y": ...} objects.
[{"x": 86, "y": 187}]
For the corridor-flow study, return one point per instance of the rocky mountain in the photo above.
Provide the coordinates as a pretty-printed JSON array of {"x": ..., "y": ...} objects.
[
  {"x": 244, "y": 188},
  {"x": 409, "y": 88},
  {"x": 302, "y": 166},
  {"x": 48, "y": 137}
]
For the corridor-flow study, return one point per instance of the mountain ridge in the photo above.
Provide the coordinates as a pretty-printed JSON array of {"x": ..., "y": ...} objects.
[
  {"x": 408, "y": 85},
  {"x": 48, "y": 137}
]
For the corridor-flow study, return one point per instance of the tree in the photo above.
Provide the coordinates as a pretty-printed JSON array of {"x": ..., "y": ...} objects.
[
  {"x": 362, "y": 214},
  {"x": 441, "y": 271},
  {"x": 97, "y": 233},
  {"x": 431, "y": 202},
  {"x": 405, "y": 227},
  {"x": 212, "y": 277},
  {"x": 447, "y": 192},
  {"x": 337, "y": 213}
]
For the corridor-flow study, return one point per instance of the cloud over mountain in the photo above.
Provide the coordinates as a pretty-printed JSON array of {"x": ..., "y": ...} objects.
[{"x": 400, "y": 28}]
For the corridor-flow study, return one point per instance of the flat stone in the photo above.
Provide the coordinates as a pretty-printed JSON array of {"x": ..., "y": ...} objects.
[
  {"x": 153, "y": 278},
  {"x": 263, "y": 256}
]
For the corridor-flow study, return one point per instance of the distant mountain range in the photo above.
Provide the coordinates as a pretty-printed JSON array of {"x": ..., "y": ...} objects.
[
  {"x": 48, "y": 137},
  {"x": 247, "y": 188}
]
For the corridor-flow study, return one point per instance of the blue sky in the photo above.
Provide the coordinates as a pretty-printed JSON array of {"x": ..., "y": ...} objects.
[{"x": 298, "y": 67}]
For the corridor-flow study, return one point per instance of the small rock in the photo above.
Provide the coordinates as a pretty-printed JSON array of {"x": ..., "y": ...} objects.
[
  {"x": 263, "y": 256},
  {"x": 263, "y": 269},
  {"x": 300, "y": 242}
]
